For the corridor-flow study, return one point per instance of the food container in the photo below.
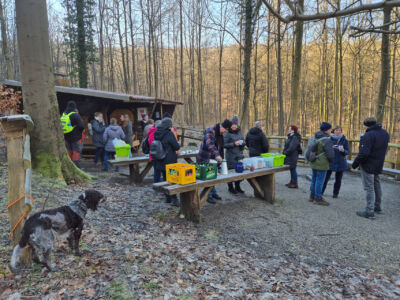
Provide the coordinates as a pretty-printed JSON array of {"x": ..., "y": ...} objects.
[
  {"x": 181, "y": 173},
  {"x": 269, "y": 162},
  {"x": 122, "y": 152},
  {"x": 278, "y": 158}
]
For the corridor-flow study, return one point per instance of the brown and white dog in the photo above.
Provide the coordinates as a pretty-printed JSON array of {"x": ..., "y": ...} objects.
[{"x": 41, "y": 229}]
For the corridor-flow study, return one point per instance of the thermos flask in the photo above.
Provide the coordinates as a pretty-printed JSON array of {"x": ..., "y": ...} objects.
[{"x": 224, "y": 168}]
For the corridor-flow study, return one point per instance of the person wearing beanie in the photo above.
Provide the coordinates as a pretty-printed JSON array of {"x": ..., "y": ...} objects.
[
  {"x": 322, "y": 146},
  {"x": 339, "y": 164},
  {"x": 144, "y": 120},
  {"x": 73, "y": 137},
  {"x": 170, "y": 146},
  {"x": 292, "y": 150},
  {"x": 256, "y": 140},
  {"x": 212, "y": 147},
  {"x": 370, "y": 159},
  {"x": 234, "y": 144}
]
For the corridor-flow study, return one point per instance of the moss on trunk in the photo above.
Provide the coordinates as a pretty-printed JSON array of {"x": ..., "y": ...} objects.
[{"x": 71, "y": 173}]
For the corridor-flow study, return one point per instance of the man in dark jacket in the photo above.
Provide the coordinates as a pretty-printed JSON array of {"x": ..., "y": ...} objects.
[
  {"x": 170, "y": 146},
  {"x": 371, "y": 157},
  {"x": 292, "y": 150},
  {"x": 98, "y": 128},
  {"x": 325, "y": 155},
  {"x": 212, "y": 147},
  {"x": 73, "y": 136},
  {"x": 256, "y": 140}
]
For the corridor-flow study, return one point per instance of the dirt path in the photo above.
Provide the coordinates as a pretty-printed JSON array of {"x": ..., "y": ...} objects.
[
  {"x": 136, "y": 247},
  {"x": 294, "y": 225}
]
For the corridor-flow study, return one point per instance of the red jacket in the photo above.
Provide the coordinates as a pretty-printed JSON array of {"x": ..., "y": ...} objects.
[{"x": 150, "y": 137}]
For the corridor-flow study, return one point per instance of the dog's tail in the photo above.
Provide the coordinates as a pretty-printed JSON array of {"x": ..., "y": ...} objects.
[{"x": 15, "y": 258}]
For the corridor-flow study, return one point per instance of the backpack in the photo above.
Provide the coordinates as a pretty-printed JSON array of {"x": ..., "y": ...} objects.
[
  {"x": 157, "y": 150},
  {"x": 146, "y": 146},
  {"x": 66, "y": 122},
  {"x": 312, "y": 149}
]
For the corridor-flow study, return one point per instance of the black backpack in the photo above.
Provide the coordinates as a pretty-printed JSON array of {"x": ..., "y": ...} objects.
[
  {"x": 146, "y": 146},
  {"x": 157, "y": 150}
]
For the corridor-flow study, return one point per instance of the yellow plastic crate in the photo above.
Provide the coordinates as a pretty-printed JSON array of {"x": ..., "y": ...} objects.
[{"x": 181, "y": 173}]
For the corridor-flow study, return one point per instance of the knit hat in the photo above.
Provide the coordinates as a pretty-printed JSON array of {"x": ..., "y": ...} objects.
[
  {"x": 167, "y": 115},
  {"x": 294, "y": 128},
  {"x": 325, "y": 126},
  {"x": 166, "y": 122},
  {"x": 143, "y": 115},
  {"x": 235, "y": 120},
  {"x": 226, "y": 124},
  {"x": 370, "y": 121}
]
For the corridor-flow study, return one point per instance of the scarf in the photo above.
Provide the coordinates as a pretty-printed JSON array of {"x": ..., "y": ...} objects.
[{"x": 337, "y": 137}]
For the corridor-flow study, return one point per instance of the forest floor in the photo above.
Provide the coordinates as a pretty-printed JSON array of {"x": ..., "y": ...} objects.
[{"x": 137, "y": 247}]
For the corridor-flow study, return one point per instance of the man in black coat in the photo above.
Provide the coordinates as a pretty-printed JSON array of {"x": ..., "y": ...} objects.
[
  {"x": 256, "y": 140},
  {"x": 170, "y": 146},
  {"x": 371, "y": 157},
  {"x": 73, "y": 138},
  {"x": 98, "y": 128}
]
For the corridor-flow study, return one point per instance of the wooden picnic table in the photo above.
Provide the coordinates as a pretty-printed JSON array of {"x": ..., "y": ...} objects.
[
  {"x": 192, "y": 199},
  {"x": 137, "y": 176}
]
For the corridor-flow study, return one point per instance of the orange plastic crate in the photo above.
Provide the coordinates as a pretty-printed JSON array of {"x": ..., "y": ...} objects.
[{"x": 181, "y": 173}]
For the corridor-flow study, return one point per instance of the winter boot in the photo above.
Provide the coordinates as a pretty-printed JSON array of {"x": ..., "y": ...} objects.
[
  {"x": 237, "y": 187},
  {"x": 293, "y": 185},
  {"x": 321, "y": 202},
  {"x": 231, "y": 189},
  {"x": 312, "y": 199},
  {"x": 366, "y": 214},
  {"x": 287, "y": 184}
]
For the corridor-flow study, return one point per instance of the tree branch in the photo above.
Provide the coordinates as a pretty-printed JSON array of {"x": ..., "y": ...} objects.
[{"x": 332, "y": 14}]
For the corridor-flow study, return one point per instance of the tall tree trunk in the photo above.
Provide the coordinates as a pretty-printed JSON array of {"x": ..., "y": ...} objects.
[
  {"x": 49, "y": 156},
  {"x": 255, "y": 59},
  {"x": 268, "y": 77},
  {"x": 133, "y": 57},
  {"x": 296, "y": 71},
  {"x": 385, "y": 65},
  {"x": 101, "y": 42},
  {"x": 4, "y": 43},
  {"x": 82, "y": 53},
  {"x": 279, "y": 77}
]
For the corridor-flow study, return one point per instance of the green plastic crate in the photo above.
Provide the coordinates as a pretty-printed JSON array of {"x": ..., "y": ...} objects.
[
  {"x": 279, "y": 159},
  {"x": 206, "y": 171},
  {"x": 122, "y": 151}
]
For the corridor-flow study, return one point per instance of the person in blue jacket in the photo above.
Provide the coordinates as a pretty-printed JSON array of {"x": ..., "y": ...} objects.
[{"x": 339, "y": 164}]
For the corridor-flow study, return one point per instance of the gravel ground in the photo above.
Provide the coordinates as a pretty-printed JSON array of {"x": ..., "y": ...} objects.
[
  {"x": 136, "y": 246},
  {"x": 294, "y": 225}
]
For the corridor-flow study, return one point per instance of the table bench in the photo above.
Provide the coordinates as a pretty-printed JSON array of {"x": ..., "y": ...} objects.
[
  {"x": 137, "y": 176},
  {"x": 192, "y": 199}
]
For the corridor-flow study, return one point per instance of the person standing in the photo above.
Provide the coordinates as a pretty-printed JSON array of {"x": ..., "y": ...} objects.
[
  {"x": 144, "y": 120},
  {"x": 113, "y": 131},
  {"x": 212, "y": 147},
  {"x": 234, "y": 145},
  {"x": 292, "y": 150},
  {"x": 150, "y": 139},
  {"x": 339, "y": 164},
  {"x": 170, "y": 147},
  {"x": 73, "y": 127},
  {"x": 98, "y": 128},
  {"x": 371, "y": 158},
  {"x": 126, "y": 125},
  {"x": 256, "y": 140},
  {"x": 322, "y": 147},
  {"x": 150, "y": 124}
]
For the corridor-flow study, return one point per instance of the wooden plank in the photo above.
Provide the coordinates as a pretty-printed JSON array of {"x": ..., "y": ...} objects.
[
  {"x": 258, "y": 191},
  {"x": 204, "y": 195},
  {"x": 190, "y": 205},
  {"x": 177, "y": 189},
  {"x": 158, "y": 185}
]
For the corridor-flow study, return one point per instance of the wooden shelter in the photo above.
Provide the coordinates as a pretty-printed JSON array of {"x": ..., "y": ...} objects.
[{"x": 111, "y": 104}]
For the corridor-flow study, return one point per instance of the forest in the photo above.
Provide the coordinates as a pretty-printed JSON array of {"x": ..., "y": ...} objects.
[{"x": 225, "y": 58}]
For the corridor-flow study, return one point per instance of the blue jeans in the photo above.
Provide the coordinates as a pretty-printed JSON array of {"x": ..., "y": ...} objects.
[
  {"x": 157, "y": 173},
  {"x": 107, "y": 157},
  {"x": 212, "y": 193},
  {"x": 99, "y": 155},
  {"x": 293, "y": 175},
  {"x": 317, "y": 183}
]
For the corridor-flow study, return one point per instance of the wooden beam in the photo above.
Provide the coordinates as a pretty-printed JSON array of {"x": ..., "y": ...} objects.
[
  {"x": 204, "y": 195},
  {"x": 190, "y": 205},
  {"x": 258, "y": 191}
]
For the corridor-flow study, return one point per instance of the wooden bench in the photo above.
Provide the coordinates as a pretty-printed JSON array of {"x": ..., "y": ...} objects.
[
  {"x": 137, "y": 176},
  {"x": 192, "y": 199}
]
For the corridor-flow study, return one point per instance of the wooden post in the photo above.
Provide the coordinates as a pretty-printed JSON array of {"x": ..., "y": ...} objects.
[
  {"x": 398, "y": 159},
  {"x": 190, "y": 205},
  {"x": 183, "y": 137},
  {"x": 350, "y": 149},
  {"x": 16, "y": 129}
]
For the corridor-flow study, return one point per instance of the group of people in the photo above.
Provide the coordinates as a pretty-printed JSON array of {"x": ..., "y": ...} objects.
[
  {"x": 326, "y": 153},
  {"x": 102, "y": 135}
]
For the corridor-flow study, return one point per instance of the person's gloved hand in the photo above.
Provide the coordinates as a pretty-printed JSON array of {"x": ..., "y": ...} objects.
[{"x": 354, "y": 165}]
